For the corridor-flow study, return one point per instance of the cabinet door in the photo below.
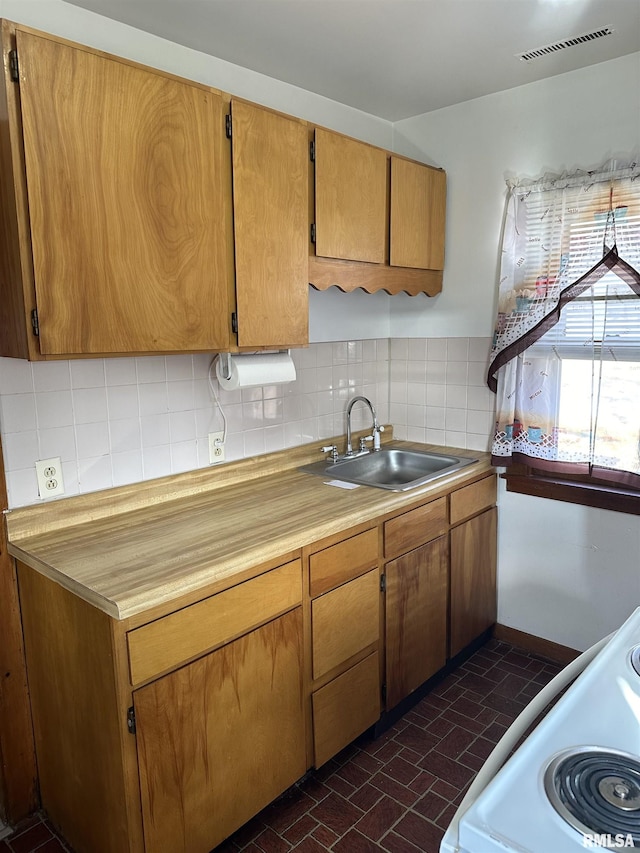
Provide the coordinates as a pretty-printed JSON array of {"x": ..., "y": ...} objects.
[
  {"x": 344, "y": 622},
  {"x": 129, "y": 201},
  {"x": 271, "y": 210},
  {"x": 221, "y": 738},
  {"x": 418, "y": 200},
  {"x": 473, "y": 579},
  {"x": 416, "y": 618},
  {"x": 351, "y": 191}
]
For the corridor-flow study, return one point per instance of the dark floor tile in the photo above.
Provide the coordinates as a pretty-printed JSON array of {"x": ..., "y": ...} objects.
[
  {"x": 482, "y": 747},
  {"x": 30, "y": 839},
  {"x": 297, "y": 831},
  {"x": 422, "y": 782},
  {"x": 394, "y": 789},
  {"x": 325, "y": 836},
  {"x": 456, "y": 742},
  {"x": 354, "y": 842},
  {"x": 340, "y": 785},
  {"x": 446, "y": 768},
  {"x": 270, "y": 842},
  {"x": 504, "y": 705},
  {"x": 366, "y": 797},
  {"x": 395, "y": 843},
  {"x": 381, "y": 818},
  {"x": 310, "y": 845},
  {"x": 336, "y": 813},
  {"x": 353, "y": 774},
  {"x": 413, "y": 737},
  {"x": 401, "y": 770},
  {"x": 419, "y": 831},
  {"x": 431, "y": 805}
]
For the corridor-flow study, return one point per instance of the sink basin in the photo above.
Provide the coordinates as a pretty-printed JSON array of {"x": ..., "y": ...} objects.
[{"x": 393, "y": 469}]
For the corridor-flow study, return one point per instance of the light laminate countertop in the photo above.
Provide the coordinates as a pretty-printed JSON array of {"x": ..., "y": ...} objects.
[{"x": 134, "y": 548}]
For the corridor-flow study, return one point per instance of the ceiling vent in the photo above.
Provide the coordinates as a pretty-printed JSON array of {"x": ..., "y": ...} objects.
[{"x": 561, "y": 45}]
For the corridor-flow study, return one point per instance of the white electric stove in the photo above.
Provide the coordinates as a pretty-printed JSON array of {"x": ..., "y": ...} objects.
[{"x": 574, "y": 783}]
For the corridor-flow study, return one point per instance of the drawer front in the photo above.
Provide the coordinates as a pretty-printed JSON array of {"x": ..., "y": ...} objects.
[
  {"x": 414, "y": 528},
  {"x": 345, "y": 708},
  {"x": 166, "y": 643},
  {"x": 473, "y": 499},
  {"x": 342, "y": 562},
  {"x": 344, "y": 622}
]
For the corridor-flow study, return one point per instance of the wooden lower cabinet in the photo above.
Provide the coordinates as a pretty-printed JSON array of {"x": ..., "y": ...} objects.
[
  {"x": 416, "y": 618},
  {"x": 221, "y": 738},
  {"x": 473, "y": 579},
  {"x": 346, "y": 707}
]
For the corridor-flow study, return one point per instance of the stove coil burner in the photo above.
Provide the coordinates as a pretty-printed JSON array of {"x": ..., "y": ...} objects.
[
  {"x": 597, "y": 791},
  {"x": 635, "y": 659}
]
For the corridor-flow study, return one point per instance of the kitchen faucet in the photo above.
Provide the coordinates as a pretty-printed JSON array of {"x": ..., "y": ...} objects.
[{"x": 377, "y": 429}]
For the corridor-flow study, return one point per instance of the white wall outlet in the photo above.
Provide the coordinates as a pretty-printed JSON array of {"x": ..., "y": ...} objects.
[
  {"x": 216, "y": 447},
  {"x": 49, "y": 472}
]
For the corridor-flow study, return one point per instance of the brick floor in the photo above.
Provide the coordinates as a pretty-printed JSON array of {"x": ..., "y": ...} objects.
[{"x": 396, "y": 793}]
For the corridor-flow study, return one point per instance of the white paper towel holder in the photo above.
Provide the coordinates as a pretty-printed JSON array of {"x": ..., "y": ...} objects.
[
  {"x": 225, "y": 367},
  {"x": 225, "y": 359}
]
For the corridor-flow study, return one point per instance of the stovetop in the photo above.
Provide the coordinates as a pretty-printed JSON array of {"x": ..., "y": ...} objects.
[{"x": 599, "y": 714}]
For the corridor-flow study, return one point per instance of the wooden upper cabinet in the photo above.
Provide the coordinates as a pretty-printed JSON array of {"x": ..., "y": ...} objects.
[
  {"x": 270, "y": 201},
  {"x": 417, "y": 217},
  {"x": 351, "y": 193},
  {"x": 129, "y": 203}
]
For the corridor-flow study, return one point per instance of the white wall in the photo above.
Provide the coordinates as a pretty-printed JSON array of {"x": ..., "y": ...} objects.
[{"x": 567, "y": 573}]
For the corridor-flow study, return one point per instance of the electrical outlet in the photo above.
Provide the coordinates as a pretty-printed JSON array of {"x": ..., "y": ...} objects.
[
  {"x": 216, "y": 447},
  {"x": 49, "y": 473}
]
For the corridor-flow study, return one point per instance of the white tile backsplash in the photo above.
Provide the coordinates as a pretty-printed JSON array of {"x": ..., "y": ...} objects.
[{"x": 122, "y": 420}]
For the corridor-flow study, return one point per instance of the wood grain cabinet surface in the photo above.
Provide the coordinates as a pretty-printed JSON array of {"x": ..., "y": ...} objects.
[
  {"x": 131, "y": 223},
  {"x": 379, "y": 219},
  {"x": 170, "y": 728}
]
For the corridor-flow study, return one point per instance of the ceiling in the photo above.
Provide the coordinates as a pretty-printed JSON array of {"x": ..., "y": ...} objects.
[{"x": 390, "y": 58}]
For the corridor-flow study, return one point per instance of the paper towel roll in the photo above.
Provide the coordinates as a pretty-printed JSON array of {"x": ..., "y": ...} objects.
[{"x": 247, "y": 371}]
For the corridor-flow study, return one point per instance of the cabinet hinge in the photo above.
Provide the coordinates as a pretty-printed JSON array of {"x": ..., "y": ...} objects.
[
  {"x": 35, "y": 325},
  {"x": 383, "y": 691},
  {"x": 131, "y": 720},
  {"x": 234, "y": 323},
  {"x": 14, "y": 70},
  {"x": 227, "y": 125},
  {"x": 312, "y": 151},
  {"x": 313, "y": 233},
  {"x": 383, "y": 583}
]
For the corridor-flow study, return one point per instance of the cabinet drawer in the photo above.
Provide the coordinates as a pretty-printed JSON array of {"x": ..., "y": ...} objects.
[
  {"x": 168, "y": 642},
  {"x": 344, "y": 622},
  {"x": 345, "y": 707},
  {"x": 414, "y": 528},
  {"x": 342, "y": 562},
  {"x": 473, "y": 499}
]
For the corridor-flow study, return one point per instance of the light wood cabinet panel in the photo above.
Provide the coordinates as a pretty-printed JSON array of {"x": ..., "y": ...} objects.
[
  {"x": 342, "y": 562},
  {"x": 416, "y": 618},
  {"x": 351, "y": 190},
  {"x": 79, "y": 727},
  {"x": 344, "y": 622},
  {"x": 220, "y": 738},
  {"x": 345, "y": 708},
  {"x": 415, "y": 527},
  {"x": 165, "y": 643},
  {"x": 472, "y": 499},
  {"x": 473, "y": 579},
  {"x": 270, "y": 203},
  {"x": 417, "y": 219},
  {"x": 129, "y": 201}
]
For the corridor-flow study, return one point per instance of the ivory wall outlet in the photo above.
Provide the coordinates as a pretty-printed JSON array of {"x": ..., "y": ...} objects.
[
  {"x": 216, "y": 447},
  {"x": 49, "y": 473}
]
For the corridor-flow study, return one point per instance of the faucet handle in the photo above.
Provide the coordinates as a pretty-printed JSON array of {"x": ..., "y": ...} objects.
[
  {"x": 332, "y": 449},
  {"x": 363, "y": 442},
  {"x": 376, "y": 436}
]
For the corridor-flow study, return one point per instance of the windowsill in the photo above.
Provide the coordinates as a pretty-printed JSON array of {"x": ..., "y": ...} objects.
[{"x": 583, "y": 492}]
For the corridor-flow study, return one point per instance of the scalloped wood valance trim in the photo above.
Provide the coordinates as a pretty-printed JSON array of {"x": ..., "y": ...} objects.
[{"x": 351, "y": 275}]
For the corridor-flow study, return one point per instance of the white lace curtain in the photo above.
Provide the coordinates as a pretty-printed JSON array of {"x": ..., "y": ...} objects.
[{"x": 565, "y": 363}]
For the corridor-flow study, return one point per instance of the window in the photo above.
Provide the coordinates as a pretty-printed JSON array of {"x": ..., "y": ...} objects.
[{"x": 566, "y": 357}]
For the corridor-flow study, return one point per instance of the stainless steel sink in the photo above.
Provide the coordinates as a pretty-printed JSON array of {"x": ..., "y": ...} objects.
[{"x": 393, "y": 469}]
